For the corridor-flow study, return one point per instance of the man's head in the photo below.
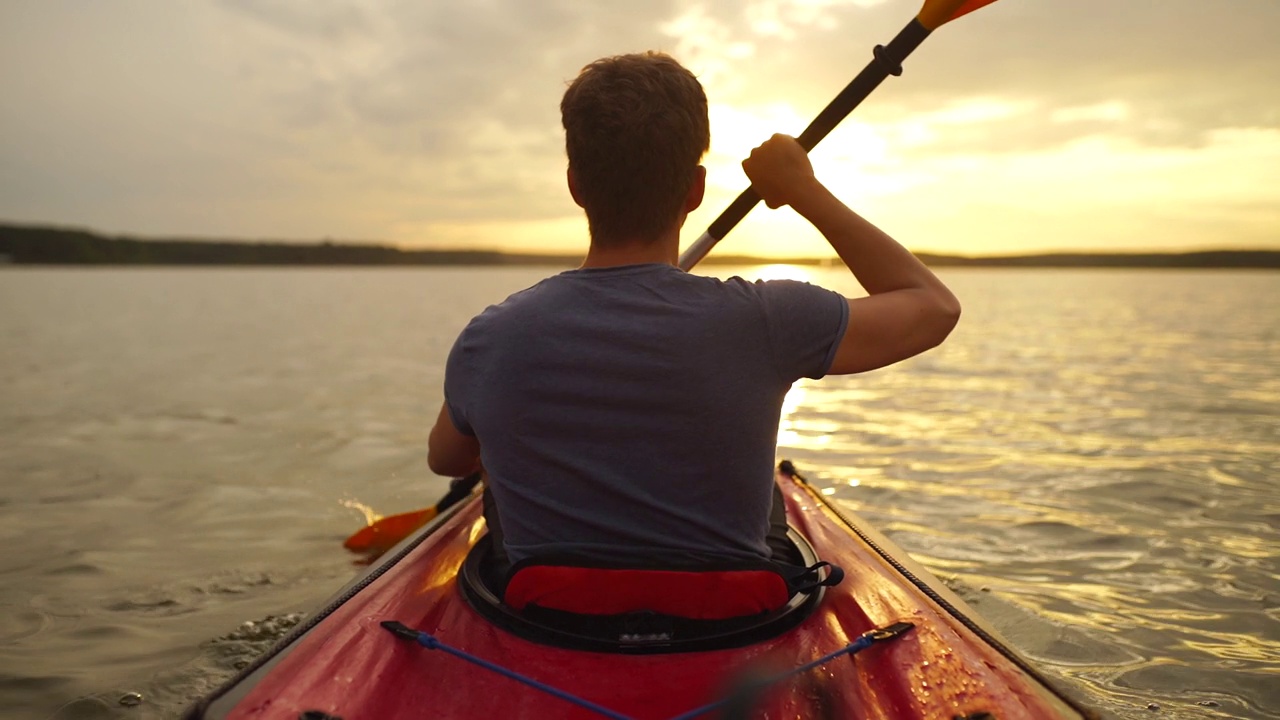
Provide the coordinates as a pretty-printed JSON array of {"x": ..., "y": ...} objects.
[{"x": 635, "y": 130}]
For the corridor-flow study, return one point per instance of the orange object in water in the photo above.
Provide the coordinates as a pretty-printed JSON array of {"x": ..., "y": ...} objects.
[{"x": 382, "y": 535}]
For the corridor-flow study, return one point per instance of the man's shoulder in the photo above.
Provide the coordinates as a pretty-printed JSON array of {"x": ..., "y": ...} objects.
[
  {"x": 739, "y": 292},
  {"x": 570, "y": 290},
  {"x": 521, "y": 301},
  {"x": 773, "y": 291}
]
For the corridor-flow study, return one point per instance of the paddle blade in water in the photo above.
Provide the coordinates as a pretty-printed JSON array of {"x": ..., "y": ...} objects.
[
  {"x": 383, "y": 534},
  {"x": 937, "y": 13}
]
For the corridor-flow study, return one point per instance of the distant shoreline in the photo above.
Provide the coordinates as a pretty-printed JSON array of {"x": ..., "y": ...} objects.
[{"x": 43, "y": 245}]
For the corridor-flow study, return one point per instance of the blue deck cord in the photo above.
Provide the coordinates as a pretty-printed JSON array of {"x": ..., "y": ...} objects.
[{"x": 431, "y": 642}]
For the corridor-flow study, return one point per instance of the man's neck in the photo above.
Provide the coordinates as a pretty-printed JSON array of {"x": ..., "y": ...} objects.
[{"x": 665, "y": 250}]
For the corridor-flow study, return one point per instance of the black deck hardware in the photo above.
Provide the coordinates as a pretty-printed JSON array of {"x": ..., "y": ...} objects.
[
  {"x": 888, "y": 632},
  {"x": 400, "y": 630}
]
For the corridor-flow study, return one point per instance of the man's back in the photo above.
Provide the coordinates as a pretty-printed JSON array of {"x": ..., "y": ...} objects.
[
  {"x": 631, "y": 413},
  {"x": 628, "y": 408}
]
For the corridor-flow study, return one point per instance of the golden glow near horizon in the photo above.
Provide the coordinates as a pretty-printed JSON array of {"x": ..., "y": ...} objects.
[
  {"x": 1094, "y": 193},
  {"x": 1025, "y": 127}
]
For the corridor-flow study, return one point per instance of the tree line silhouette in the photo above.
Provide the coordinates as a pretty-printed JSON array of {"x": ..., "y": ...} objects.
[{"x": 38, "y": 245}]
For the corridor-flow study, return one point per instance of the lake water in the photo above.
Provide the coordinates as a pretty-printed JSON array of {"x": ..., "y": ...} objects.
[{"x": 1091, "y": 460}]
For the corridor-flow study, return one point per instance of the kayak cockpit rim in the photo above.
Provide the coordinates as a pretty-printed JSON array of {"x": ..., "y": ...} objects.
[{"x": 634, "y": 633}]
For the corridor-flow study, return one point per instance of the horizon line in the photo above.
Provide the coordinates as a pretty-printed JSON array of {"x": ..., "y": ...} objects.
[{"x": 561, "y": 255}]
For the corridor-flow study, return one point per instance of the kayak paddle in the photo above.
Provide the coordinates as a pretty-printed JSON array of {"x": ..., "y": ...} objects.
[
  {"x": 385, "y": 533},
  {"x": 887, "y": 61}
]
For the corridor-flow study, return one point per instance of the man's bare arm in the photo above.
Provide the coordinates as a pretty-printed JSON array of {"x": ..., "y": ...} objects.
[
  {"x": 908, "y": 310},
  {"x": 449, "y": 452}
]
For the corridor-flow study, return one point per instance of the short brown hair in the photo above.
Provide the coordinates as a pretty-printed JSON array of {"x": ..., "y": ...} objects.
[{"x": 635, "y": 130}]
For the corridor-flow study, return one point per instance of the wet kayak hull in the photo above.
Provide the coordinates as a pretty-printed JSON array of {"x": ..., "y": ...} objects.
[{"x": 344, "y": 664}]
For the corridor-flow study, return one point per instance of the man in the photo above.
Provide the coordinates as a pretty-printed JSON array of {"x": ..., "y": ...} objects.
[{"x": 627, "y": 412}]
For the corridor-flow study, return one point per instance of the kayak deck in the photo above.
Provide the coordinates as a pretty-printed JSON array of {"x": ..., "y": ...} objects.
[{"x": 346, "y": 665}]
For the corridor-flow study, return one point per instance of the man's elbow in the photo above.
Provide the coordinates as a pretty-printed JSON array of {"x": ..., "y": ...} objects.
[
  {"x": 452, "y": 456},
  {"x": 450, "y": 464},
  {"x": 946, "y": 315},
  {"x": 439, "y": 465}
]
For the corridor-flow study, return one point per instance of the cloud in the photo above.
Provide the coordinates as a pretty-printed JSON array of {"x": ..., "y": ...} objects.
[
  {"x": 410, "y": 121},
  {"x": 1091, "y": 194},
  {"x": 457, "y": 103},
  {"x": 1183, "y": 67}
]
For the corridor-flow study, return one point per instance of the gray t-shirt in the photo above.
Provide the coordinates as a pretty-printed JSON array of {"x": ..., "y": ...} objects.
[{"x": 631, "y": 412}]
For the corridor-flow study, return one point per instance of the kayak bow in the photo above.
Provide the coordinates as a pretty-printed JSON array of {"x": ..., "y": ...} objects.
[{"x": 921, "y": 652}]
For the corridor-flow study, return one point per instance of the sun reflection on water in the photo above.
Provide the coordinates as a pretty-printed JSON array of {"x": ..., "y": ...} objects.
[
  {"x": 1108, "y": 500},
  {"x": 787, "y": 435}
]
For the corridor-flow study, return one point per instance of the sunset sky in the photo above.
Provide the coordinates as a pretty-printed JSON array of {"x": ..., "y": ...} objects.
[{"x": 1031, "y": 125}]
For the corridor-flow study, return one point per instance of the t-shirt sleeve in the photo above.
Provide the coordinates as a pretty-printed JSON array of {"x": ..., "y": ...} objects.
[
  {"x": 458, "y": 379},
  {"x": 806, "y": 324}
]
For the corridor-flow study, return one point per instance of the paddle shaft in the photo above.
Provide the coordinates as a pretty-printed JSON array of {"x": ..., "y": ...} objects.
[{"x": 888, "y": 61}]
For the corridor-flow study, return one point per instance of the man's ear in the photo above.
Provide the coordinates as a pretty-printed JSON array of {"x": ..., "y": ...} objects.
[
  {"x": 573, "y": 187},
  {"x": 696, "y": 190}
]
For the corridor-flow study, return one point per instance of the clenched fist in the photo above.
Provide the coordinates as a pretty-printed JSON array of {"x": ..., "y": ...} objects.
[{"x": 779, "y": 171}]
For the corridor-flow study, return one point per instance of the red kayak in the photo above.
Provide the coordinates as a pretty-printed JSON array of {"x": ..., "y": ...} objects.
[{"x": 423, "y": 635}]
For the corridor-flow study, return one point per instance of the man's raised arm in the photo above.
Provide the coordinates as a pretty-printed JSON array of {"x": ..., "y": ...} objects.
[{"x": 908, "y": 310}]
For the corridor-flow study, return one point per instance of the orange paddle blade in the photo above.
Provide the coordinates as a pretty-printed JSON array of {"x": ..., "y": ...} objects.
[
  {"x": 969, "y": 7},
  {"x": 383, "y": 534},
  {"x": 937, "y": 13}
]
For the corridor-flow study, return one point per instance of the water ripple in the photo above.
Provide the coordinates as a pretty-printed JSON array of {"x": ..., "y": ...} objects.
[{"x": 1106, "y": 467}]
